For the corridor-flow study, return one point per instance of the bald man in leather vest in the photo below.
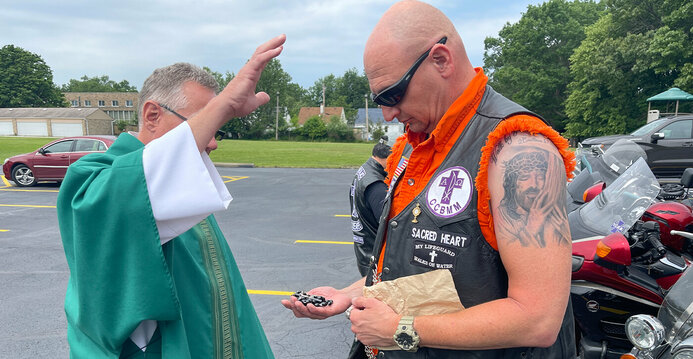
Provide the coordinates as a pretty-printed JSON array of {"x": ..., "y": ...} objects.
[{"x": 512, "y": 274}]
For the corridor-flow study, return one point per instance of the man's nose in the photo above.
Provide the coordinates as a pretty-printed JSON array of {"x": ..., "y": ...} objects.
[
  {"x": 390, "y": 113},
  {"x": 211, "y": 146}
]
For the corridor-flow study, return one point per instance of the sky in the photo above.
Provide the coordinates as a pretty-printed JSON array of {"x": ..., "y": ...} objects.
[{"x": 128, "y": 39}]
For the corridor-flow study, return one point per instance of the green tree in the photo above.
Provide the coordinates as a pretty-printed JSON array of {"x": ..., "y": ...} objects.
[
  {"x": 222, "y": 79},
  {"x": 377, "y": 132},
  {"x": 338, "y": 131},
  {"x": 26, "y": 80},
  {"x": 353, "y": 87},
  {"x": 346, "y": 91},
  {"x": 261, "y": 123},
  {"x": 97, "y": 84},
  {"x": 529, "y": 60},
  {"x": 314, "y": 128},
  {"x": 640, "y": 48}
]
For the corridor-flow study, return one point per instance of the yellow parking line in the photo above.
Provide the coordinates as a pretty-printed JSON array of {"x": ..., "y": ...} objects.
[
  {"x": 4, "y": 180},
  {"x": 234, "y": 178},
  {"x": 342, "y": 215},
  {"x": 268, "y": 292},
  {"x": 4, "y": 230},
  {"x": 27, "y": 190},
  {"x": 25, "y": 205},
  {"x": 322, "y": 242}
]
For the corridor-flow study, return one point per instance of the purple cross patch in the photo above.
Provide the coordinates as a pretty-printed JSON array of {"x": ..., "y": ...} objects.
[{"x": 450, "y": 192}]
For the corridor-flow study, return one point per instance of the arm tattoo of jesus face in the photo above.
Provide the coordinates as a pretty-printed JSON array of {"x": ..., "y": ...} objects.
[{"x": 531, "y": 209}]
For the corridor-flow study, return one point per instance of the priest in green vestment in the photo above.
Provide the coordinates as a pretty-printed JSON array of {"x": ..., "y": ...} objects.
[{"x": 151, "y": 275}]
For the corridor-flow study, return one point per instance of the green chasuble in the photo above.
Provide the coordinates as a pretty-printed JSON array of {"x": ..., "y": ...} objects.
[{"x": 120, "y": 274}]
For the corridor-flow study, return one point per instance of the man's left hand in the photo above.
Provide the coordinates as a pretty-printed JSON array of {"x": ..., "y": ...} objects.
[{"x": 373, "y": 322}]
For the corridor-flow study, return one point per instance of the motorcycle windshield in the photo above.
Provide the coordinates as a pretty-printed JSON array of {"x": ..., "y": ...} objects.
[
  {"x": 623, "y": 202},
  {"x": 676, "y": 313},
  {"x": 622, "y": 154}
]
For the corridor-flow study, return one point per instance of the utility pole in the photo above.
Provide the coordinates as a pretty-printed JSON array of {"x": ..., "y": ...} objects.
[
  {"x": 367, "y": 131},
  {"x": 322, "y": 106},
  {"x": 276, "y": 121}
]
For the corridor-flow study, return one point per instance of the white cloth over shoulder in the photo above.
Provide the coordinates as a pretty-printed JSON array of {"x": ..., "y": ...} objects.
[
  {"x": 184, "y": 188},
  {"x": 183, "y": 185}
]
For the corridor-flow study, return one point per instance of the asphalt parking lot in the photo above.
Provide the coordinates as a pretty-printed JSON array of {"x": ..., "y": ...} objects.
[{"x": 288, "y": 230}]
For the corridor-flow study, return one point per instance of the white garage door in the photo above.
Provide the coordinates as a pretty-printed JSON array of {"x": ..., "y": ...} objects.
[
  {"x": 6, "y": 128},
  {"x": 25, "y": 128},
  {"x": 66, "y": 129}
]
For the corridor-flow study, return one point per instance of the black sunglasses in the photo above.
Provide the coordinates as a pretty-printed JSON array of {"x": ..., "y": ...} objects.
[
  {"x": 394, "y": 94},
  {"x": 220, "y": 134}
]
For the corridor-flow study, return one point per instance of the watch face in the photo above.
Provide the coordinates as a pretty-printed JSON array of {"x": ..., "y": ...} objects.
[{"x": 405, "y": 340}]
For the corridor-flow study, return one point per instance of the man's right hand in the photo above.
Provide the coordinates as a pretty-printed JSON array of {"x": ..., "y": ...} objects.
[
  {"x": 340, "y": 303},
  {"x": 238, "y": 98},
  {"x": 239, "y": 95}
]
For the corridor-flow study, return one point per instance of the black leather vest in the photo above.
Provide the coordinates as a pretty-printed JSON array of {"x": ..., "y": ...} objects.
[
  {"x": 440, "y": 229},
  {"x": 364, "y": 224}
]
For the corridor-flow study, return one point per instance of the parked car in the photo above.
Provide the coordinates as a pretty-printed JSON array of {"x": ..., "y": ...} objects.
[
  {"x": 667, "y": 141},
  {"x": 50, "y": 162}
]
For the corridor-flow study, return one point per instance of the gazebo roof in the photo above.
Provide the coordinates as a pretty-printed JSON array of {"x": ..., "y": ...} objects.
[{"x": 672, "y": 94}]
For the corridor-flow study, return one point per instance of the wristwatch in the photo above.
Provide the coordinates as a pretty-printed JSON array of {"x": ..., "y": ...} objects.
[{"x": 405, "y": 336}]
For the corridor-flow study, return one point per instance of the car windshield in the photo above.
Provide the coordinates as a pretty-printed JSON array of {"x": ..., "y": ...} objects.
[{"x": 648, "y": 127}]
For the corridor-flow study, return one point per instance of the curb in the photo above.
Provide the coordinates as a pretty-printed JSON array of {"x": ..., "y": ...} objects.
[{"x": 237, "y": 165}]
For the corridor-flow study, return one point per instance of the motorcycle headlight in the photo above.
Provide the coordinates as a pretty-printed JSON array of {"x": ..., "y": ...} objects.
[
  {"x": 684, "y": 349},
  {"x": 644, "y": 331},
  {"x": 685, "y": 354}
]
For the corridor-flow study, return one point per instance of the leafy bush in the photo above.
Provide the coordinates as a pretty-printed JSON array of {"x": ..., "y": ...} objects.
[{"x": 338, "y": 131}]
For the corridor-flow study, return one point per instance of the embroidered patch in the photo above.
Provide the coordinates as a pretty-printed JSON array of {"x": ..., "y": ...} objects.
[
  {"x": 360, "y": 173},
  {"x": 450, "y": 192},
  {"x": 433, "y": 256},
  {"x": 443, "y": 238},
  {"x": 356, "y": 226},
  {"x": 358, "y": 239}
]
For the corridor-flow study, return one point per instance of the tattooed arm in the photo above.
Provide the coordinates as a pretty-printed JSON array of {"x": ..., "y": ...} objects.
[{"x": 527, "y": 179}]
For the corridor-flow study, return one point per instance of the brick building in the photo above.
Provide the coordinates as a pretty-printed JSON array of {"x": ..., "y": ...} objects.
[{"x": 118, "y": 105}]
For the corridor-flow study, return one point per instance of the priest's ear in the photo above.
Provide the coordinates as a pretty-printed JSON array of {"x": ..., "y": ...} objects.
[{"x": 151, "y": 116}]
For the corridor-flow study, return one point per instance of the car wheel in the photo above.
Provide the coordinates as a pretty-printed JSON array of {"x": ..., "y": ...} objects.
[{"x": 23, "y": 176}]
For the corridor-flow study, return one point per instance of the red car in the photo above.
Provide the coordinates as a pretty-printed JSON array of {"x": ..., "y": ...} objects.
[{"x": 49, "y": 163}]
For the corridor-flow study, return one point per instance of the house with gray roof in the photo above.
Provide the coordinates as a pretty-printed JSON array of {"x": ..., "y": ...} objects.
[{"x": 375, "y": 117}]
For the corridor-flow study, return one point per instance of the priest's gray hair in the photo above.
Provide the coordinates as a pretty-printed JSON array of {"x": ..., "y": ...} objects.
[{"x": 165, "y": 85}]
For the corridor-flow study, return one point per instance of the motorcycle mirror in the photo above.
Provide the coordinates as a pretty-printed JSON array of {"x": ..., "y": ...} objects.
[
  {"x": 613, "y": 251},
  {"x": 593, "y": 191},
  {"x": 687, "y": 178}
]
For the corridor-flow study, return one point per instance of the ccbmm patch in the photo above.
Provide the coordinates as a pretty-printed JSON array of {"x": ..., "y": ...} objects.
[{"x": 450, "y": 192}]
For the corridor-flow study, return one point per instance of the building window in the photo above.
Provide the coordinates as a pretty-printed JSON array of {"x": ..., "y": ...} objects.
[
  {"x": 128, "y": 103},
  {"x": 102, "y": 103},
  {"x": 87, "y": 103},
  {"x": 75, "y": 103},
  {"x": 114, "y": 103}
]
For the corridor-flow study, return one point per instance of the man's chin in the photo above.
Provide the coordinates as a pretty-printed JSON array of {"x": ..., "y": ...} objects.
[{"x": 414, "y": 127}]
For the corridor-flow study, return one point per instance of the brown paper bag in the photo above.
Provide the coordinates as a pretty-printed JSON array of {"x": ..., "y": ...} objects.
[{"x": 421, "y": 294}]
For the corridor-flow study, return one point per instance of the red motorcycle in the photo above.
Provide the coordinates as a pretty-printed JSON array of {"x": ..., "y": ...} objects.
[{"x": 625, "y": 257}]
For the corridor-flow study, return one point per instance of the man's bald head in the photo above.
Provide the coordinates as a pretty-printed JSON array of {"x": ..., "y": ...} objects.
[
  {"x": 412, "y": 25},
  {"x": 403, "y": 34}
]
